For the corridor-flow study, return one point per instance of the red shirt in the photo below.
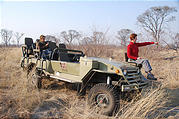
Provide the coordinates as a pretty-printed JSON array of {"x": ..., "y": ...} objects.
[{"x": 132, "y": 49}]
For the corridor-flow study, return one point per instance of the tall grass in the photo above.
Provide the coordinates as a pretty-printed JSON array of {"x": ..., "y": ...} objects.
[
  {"x": 16, "y": 97},
  {"x": 148, "y": 106}
]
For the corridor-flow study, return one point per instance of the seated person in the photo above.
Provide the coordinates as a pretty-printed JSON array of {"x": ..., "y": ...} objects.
[
  {"x": 132, "y": 53},
  {"x": 44, "y": 47}
]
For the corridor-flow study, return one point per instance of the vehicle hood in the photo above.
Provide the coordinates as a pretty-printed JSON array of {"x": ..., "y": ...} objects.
[{"x": 121, "y": 65}]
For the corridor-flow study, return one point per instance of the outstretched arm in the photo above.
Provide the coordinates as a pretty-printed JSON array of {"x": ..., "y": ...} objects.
[{"x": 144, "y": 44}]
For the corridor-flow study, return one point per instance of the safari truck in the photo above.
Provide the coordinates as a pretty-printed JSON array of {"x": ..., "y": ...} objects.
[{"x": 104, "y": 80}]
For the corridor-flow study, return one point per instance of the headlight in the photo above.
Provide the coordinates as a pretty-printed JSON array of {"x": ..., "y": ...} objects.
[
  {"x": 125, "y": 88},
  {"x": 125, "y": 72}
]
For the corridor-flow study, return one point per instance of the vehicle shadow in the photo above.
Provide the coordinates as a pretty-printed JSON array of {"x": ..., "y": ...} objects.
[
  {"x": 57, "y": 85},
  {"x": 50, "y": 108}
]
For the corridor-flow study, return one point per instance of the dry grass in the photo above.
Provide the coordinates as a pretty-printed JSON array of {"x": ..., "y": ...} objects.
[
  {"x": 13, "y": 85},
  {"x": 148, "y": 106},
  {"x": 16, "y": 100}
]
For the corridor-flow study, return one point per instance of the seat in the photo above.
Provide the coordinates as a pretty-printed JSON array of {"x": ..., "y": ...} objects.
[
  {"x": 52, "y": 45},
  {"x": 28, "y": 42},
  {"x": 126, "y": 57},
  {"x": 63, "y": 55},
  {"x": 59, "y": 53},
  {"x": 27, "y": 49},
  {"x": 127, "y": 60},
  {"x": 62, "y": 46}
]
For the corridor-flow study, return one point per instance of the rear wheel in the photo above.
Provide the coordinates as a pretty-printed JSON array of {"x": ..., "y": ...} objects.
[
  {"x": 34, "y": 80},
  {"x": 104, "y": 99}
]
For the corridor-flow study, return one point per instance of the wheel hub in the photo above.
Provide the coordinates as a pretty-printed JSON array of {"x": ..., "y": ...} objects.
[{"x": 102, "y": 100}]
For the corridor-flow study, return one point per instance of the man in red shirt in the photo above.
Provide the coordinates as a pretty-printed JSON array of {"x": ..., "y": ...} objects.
[{"x": 132, "y": 53}]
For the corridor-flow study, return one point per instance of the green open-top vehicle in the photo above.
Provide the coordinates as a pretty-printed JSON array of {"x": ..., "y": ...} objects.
[{"x": 104, "y": 80}]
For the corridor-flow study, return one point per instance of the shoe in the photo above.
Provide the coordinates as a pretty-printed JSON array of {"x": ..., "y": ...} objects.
[{"x": 151, "y": 76}]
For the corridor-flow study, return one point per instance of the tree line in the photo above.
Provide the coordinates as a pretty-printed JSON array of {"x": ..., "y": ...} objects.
[{"x": 7, "y": 35}]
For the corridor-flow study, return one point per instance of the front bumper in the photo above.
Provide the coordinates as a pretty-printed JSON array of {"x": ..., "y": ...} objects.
[{"x": 134, "y": 86}]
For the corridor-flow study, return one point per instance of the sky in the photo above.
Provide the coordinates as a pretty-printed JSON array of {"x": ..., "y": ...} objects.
[{"x": 50, "y": 17}]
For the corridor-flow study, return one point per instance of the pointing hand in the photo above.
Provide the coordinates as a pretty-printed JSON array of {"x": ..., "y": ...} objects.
[{"x": 156, "y": 43}]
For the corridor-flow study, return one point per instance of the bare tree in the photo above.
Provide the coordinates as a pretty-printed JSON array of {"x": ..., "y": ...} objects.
[
  {"x": 123, "y": 36},
  {"x": 52, "y": 38},
  {"x": 6, "y": 36},
  {"x": 94, "y": 45},
  {"x": 177, "y": 39},
  {"x": 155, "y": 19},
  {"x": 97, "y": 38},
  {"x": 70, "y": 36},
  {"x": 175, "y": 44},
  {"x": 174, "y": 41},
  {"x": 18, "y": 37}
]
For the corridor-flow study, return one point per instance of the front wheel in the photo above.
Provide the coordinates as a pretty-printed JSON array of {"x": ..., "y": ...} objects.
[{"x": 104, "y": 99}]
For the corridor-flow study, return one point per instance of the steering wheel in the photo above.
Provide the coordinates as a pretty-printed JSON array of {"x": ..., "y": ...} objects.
[{"x": 76, "y": 57}]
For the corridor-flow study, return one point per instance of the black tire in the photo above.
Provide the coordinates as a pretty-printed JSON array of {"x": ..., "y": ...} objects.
[
  {"x": 34, "y": 80},
  {"x": 104, "y": 99}
]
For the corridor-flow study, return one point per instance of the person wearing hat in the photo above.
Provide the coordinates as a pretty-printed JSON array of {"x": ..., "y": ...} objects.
[
  {"x": 132, "y": 53},
  {"x": 44, "y": 47}
]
